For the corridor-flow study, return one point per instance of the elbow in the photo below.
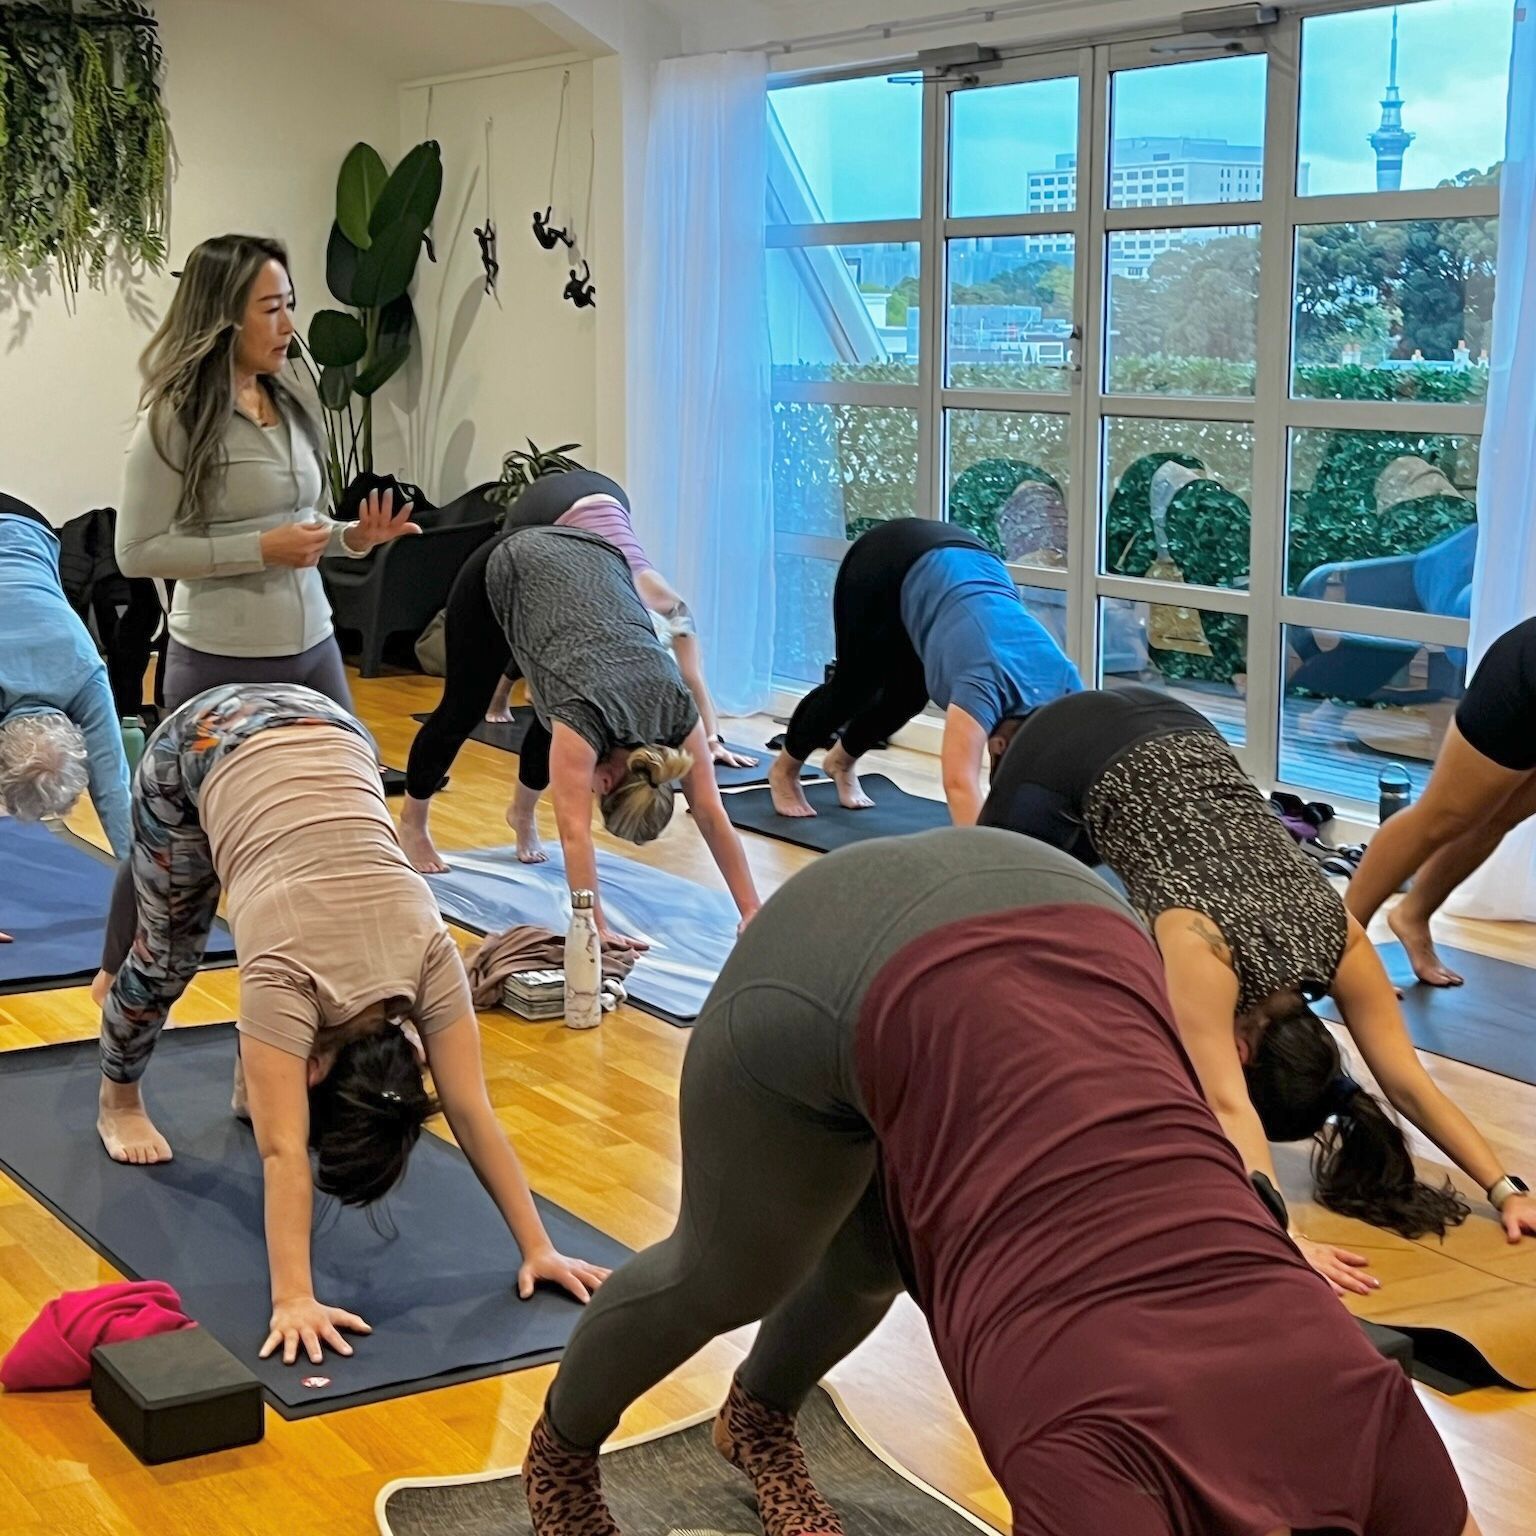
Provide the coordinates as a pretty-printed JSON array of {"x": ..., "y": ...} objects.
[{"x": 133, "y": 562}]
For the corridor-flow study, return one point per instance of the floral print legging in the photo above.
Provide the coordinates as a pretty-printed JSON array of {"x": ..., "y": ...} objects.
[{"x": 169, "y": 875}]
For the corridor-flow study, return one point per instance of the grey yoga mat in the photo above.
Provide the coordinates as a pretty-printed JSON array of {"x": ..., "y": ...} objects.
[
  {"x": 691, "y": 929},
  {"x": 1490, "y": 1022},
  {"x": 677, "y": 1484},
  {"x": 55, "y": 889},
  {"x": 433, "y": 1271},
  {"x": 509, "y": 737},
  {"x": 894, "y": 812}
]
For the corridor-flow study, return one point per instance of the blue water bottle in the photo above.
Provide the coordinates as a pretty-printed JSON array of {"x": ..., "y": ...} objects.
[{"x": 1394, "y": 791}]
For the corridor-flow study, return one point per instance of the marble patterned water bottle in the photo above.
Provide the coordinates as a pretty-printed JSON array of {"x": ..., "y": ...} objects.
[{"x": 583, "y": 966}]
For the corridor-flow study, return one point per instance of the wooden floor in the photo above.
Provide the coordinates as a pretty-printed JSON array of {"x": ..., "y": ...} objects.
[{"x": 594, "y": 1118}]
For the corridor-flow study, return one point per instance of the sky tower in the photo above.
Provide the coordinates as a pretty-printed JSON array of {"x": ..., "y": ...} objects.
[{"x": 1391, "y": 138}]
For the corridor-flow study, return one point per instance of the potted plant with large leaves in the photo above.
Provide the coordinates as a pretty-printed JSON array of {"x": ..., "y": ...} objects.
[{"x": 380, "y": 231}]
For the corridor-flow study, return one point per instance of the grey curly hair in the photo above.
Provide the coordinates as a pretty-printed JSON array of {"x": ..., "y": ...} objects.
[{"x": 42, "y": 765}]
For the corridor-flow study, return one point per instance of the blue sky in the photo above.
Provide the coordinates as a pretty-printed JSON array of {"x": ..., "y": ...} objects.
[{"x": 1452, "y": 72}]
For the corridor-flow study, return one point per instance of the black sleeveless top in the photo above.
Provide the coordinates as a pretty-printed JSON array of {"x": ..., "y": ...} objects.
[{"x": 1183, "y": 826}]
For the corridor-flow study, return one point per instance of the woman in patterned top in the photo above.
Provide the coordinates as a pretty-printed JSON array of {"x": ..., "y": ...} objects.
[{"x": 1249, "y": 931}]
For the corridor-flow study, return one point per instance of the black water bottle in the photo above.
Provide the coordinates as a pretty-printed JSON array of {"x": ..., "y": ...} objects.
[{"x": 1394, "y": 791}]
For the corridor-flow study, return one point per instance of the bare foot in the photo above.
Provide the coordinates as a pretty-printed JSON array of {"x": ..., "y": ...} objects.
[
  {"x": 499, "y": 710},
  {"x": 530, "y": 847},
  {"x": 1413, "y": 935},
  {"x": 101, "y": 984},
  {"x": 126, "y": 1130},
  {"x": 417, "y": 842},
  {"x": 785, "y": 789},
  {"x": 844, "y": 772}
]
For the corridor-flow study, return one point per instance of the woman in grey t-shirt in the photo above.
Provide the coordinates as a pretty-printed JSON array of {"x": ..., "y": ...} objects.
[
  {"x": 558, "y": 607},
  {"x": 224, "y": 490}
]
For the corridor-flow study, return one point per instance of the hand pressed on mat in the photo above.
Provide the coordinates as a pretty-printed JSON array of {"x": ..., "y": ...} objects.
[
  {"x": 307, "y": 1322},
  {"x": 1338, "y": 1266},
  {"x": 574, "y": 1275}
]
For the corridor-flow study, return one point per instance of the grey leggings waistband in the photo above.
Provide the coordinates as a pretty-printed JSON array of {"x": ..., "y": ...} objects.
[{"x": 189, "y": 673}]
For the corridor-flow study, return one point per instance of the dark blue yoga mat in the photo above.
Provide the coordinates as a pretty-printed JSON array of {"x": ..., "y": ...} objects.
[
  {"x": 54, "y": 894},
  {"x": 434, "y": 1272},
  {"x": 1490, "y": 1022}
]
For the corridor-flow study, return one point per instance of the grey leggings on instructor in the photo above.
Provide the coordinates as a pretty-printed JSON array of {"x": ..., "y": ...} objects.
[{"x": 781, "y": 1217}]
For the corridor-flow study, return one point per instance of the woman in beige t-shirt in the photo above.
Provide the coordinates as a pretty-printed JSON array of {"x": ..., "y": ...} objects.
[{"x": 349, "y": 982}]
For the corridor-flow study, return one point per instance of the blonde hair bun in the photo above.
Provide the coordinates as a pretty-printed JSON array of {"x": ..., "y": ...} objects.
[{"x": 639, "y": 807}]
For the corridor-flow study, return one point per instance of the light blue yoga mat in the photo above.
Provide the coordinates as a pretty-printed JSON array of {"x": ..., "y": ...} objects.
[{"x": 690, "y": 929}]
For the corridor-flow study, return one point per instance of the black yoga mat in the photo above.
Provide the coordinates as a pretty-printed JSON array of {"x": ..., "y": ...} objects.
[
  {"x": 434, "y": 1272},
  {"x": 510, "y": 739},
  {"x": 1490, "y": 1022},
  {"x": 894, "y": 812},
  {"x": 55, "y": 890},
  {"x": 678, "y": 1484}
]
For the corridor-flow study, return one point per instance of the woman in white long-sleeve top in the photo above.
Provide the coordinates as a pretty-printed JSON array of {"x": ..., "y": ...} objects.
[{"x": 225, "y": 491}]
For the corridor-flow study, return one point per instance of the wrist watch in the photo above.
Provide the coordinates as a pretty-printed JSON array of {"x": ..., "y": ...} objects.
[{"x": 1506, "y": 1188}]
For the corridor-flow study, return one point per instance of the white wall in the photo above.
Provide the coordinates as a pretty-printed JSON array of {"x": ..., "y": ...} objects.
[
  {"x": 262, "y": 115},
  {"x": 491, "y": 372}
]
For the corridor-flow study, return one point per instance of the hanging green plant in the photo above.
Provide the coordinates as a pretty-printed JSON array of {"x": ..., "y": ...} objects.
[{"x": 84, "y": 146}]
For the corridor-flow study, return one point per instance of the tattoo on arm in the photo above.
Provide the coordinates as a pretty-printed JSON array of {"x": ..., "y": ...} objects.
[{"x": 1203, "y": 928}]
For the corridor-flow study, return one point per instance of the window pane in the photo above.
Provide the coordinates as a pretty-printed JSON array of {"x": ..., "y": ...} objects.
[
  {"x": 1013, "y": 149},
  {"x": 1388, "y": 519},
  {"x": 1010, "y": 312},
  {"x": 838, "y": 469},
  {"x": 1354, "y": 703},
  {"x": 1403, "y": 98},
  {"x": 802, "y": 643},
  {"x": 1198, "y": 656},
  {"x": 1177, "y": 497},
  {"x": 1183, "y": 311},
  {"x": 1008, "y": 482},
  {"x": 844, "y": 312},
  {"x": 1394, "y": 311},
  {"x": 845, "y": 150},
  {"x": 1188, "y": 133},
  {"x": 1048, "y": 606}
]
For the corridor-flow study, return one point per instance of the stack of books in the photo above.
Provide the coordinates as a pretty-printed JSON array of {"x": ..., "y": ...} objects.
[{"x": 535, "y": 994}]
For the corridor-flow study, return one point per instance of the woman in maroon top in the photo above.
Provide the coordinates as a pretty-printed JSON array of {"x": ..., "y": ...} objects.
[{"x": 951, "y": 1058}]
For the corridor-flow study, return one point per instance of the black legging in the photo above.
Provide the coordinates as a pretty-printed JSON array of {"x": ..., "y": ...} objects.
[
  {"x": 877, "y": 684},
  {"x": 548, "y": 499},
  {"x": 476, "y": 655},
  {"x": 551, "y": 496}
]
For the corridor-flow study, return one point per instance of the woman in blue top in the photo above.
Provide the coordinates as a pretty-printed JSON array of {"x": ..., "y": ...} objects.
[
  {"x": 922, "y": 610},
  {"x": 59, "y": 730}
]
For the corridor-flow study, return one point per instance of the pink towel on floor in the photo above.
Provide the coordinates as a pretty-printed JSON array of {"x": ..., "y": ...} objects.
[{"x": 56, "y": 1350}]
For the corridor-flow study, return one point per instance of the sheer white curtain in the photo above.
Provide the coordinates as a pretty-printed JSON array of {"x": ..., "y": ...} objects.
[
  {"x": 1504, "y": 583},
  {"x": 699, "y": 434}
]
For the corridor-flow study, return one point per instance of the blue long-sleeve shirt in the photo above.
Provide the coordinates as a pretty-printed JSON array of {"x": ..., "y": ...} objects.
[{"x": 48, "y": 662}]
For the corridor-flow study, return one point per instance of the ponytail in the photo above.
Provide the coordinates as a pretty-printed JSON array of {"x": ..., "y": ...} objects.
[
  {"x": 639, "y": 807},
  {"x": 1361, "y": 1165}
]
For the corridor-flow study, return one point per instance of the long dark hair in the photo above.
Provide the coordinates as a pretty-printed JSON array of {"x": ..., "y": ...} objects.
[
  {"x": 366, "y": 1115},
  {"x": 1360, "y": 1161}
]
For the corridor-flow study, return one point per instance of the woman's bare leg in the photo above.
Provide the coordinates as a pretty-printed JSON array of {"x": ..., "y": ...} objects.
[
  {"x": 522, "y": 817},
  {"x": 499, "y": 710},
  {"x": 1463, "y": 791},
  {"x": 1442, "y": 872}
]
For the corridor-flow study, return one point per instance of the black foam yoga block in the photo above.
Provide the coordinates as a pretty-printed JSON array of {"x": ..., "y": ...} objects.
[{"x": 176, "y": 1395}]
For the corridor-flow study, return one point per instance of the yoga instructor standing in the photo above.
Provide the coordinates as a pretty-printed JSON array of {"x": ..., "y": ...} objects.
[{"x": 225, "y": 490}]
